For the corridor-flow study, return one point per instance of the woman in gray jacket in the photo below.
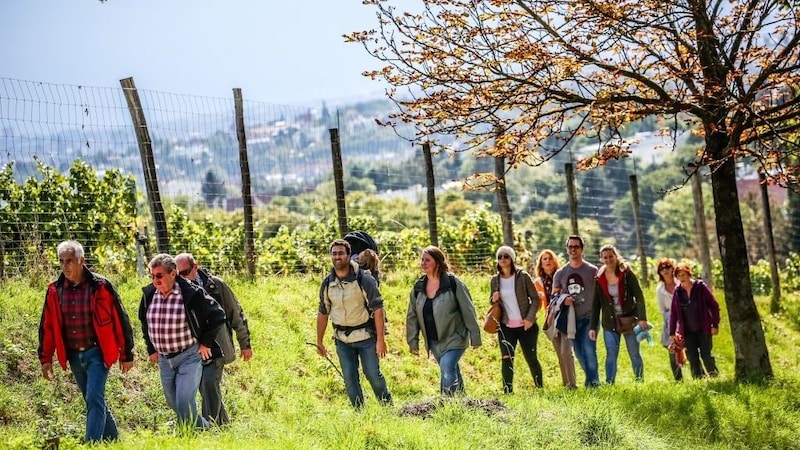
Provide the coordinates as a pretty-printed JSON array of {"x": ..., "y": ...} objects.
[
  {"x": 514, "y": 289},
  {"x": 440, "y": 307}
]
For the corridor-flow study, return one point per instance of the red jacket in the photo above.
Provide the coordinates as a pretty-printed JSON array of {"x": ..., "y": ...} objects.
[{"x": 112, "y": 328}]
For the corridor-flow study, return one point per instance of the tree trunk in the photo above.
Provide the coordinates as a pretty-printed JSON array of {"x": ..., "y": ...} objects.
[{"x": 752, "y": 357}]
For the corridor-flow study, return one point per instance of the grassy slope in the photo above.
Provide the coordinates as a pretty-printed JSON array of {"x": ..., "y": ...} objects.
[{"x": 288, "y": 397}]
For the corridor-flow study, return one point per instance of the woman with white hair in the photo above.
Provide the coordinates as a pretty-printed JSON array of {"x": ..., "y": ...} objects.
[{"x": 514, "y": 288}]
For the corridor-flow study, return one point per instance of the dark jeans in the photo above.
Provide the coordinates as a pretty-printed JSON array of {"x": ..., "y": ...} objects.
[
  {"x": 527, "y": 339},
  {"x": 91, "y": 374},
  {"x": 213, "y": 407},
  {"x": 349, "y": 355},
  {"x": 698, "y": 346}
]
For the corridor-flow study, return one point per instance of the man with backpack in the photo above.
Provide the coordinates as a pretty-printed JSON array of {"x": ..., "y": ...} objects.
[
  {"x": 213, "y": 406},
  {"x": 349, "y": 298}
]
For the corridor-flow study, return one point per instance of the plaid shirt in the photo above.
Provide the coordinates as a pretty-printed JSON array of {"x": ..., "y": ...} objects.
[
  {"x": 76, "y": 312},
  {"x": 167, "y": 323}
]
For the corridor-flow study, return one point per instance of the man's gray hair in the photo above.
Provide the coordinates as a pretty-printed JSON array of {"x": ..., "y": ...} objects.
[
  {"x": 73, "y": 247},
  {"x": 163, "y": 260}
]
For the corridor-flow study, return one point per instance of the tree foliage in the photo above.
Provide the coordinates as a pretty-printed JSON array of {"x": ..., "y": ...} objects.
[
  {"x": 521, "y": 79},
  {"x": 548, "y": 71}
]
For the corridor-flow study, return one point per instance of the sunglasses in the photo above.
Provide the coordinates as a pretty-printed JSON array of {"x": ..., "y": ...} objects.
[
  {"x": 185, "y": 272},
  {"x": 503, "y": 256},
  {"x": 157, "y": 276},
  {"x": 665, "y": 267}
]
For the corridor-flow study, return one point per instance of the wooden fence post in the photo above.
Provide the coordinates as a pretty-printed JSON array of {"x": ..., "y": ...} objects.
[
  {"x": 637, "y": 223},
  {"x": 2, "y": 258},
  {"x": 700, "y": 229},
  {"x": 775, "y": 301},
  {"x": 502, "y": 200},
  {"x": 148, "y": 163},
  {"x": 572, "y": 197},
  {"x": 247, "y": 197},
  {"x": 338, "y": 181},
  {"x": 431, "y": 188}
]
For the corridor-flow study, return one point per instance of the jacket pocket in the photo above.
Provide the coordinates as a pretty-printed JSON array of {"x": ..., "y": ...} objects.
[{"x": 102, "y": 314}]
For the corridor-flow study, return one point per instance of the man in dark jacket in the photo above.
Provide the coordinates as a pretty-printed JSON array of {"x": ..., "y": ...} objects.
[
  {"x": 180, "y": 324},
  {"x": 213, "y": 406},
  {"x": 84, "y": 323}
]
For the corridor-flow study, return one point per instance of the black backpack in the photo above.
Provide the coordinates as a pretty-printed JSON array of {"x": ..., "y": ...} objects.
[{"x": 359, "y": 241}]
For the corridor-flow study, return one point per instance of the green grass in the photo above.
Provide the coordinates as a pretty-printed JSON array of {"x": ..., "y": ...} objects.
[{"x": 288, "y": 397}]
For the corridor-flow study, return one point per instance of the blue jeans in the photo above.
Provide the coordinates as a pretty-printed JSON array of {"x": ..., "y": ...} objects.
[
  {"x": 451, "y": 381},
  {"x": 180, "y": 378},
  {"x": 91, "y": 373},
  {"x": 349, "y": 355},
  {"x": 612, "y": 341},
  {"x": 586, "y": 352}
]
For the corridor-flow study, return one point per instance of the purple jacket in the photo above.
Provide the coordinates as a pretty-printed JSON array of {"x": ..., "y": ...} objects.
[{"x": 708, "y": 304}]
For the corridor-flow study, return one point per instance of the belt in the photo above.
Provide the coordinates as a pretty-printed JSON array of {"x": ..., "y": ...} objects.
[
  {"x": 83, "y": 349},
  {"x": 174, "y": 354}
]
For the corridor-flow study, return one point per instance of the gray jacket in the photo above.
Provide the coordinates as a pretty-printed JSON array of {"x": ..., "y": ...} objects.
[
  {"x": 235, "y": 317},
  {"x": 453, "y": 313}
]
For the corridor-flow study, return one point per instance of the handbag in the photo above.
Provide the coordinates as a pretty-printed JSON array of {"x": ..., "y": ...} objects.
[
  {"x": 625, "y": 324},
  {"x": 492, "y": 321}
]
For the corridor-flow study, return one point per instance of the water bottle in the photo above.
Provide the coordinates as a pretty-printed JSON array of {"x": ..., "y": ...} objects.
[{"x": 642, "y": 334}]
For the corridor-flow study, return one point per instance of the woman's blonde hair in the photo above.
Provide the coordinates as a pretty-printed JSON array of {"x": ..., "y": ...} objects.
[{"x": 539, "y": 270}]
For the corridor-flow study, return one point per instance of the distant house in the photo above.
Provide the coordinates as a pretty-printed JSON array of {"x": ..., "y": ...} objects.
[{"x": 751, "y": 187}]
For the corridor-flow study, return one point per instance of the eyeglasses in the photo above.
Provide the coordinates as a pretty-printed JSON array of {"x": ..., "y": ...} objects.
[
  {"x": 185, "y": 272},
  {"x": 573, "y": 247},
  {"x": 503, "y": 256},
  {"x": 157, "y": 276}
]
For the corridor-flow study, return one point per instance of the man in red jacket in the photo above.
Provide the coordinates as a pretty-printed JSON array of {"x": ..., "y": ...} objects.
[{"x": 84, "y": 323}]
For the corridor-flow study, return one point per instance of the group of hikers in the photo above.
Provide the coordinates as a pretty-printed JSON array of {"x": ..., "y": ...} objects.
[
  {"x": 188, "y": 318},
  {"x": 576, "y": 299}
]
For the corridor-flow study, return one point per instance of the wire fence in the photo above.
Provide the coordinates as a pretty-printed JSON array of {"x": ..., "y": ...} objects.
[{"x": 196, "y": 151}]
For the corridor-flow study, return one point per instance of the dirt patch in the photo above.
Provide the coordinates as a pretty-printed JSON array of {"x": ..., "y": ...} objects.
[{"x": 426, "y": 409}]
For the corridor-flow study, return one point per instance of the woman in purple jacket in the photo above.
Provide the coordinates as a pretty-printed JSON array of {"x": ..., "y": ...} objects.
[{"x": 694, "y": 315}]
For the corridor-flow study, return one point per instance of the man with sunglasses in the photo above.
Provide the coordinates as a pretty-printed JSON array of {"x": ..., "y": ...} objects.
[
  {"x": 577, "y": 278},
  {"x": 180, "y": 325},
  {"x": 213, "y": 406},
  {"x": 85, "y": 324}
]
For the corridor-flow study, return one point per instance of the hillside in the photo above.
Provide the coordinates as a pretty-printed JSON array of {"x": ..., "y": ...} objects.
[{"x": 288, "y": 397}]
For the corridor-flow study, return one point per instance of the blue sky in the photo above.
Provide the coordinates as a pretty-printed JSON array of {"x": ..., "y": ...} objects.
[{"x": 277, "y": 51}]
